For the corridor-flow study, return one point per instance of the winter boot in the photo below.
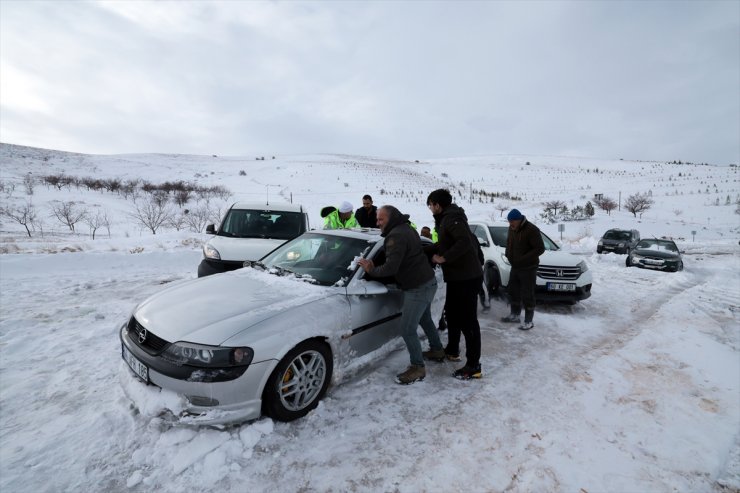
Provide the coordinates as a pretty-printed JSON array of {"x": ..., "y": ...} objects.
[
  {"x": 437, "y": 355},
  {"x": 468, "y": 372},
  {"x": 412, "y": 374},
  {"x": 512, "y": 318}
]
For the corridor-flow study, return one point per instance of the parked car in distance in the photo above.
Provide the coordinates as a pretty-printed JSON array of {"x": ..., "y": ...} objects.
[
  {"x": 656, "y": 254},
  {"x": 266, "y": 339},
  {"x": 618, "y": 241},
  {"x": 249, "y": 231},
  {"x": 560, "y": 276}
]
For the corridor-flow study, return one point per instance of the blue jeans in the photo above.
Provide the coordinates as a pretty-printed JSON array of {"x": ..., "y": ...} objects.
[{"x": 417, "y": 303}]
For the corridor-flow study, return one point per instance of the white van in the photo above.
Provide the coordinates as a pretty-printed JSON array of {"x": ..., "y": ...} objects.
[{"x": 249, "y": 231}]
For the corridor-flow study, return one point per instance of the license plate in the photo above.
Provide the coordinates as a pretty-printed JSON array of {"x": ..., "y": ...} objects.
[
  {"x": 560, "y": 286},
  {"x": 608, "y": 247},
  {"x": 653, "y": 262},
  {"x": 137, "y": 366}
]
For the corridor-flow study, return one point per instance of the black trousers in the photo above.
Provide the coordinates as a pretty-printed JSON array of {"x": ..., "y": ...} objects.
[
  {"x": 522, "y": 283},
  {"x": 461, "y": 312}
]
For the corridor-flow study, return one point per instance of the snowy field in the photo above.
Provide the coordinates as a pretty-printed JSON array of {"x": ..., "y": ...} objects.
[{"x": 636, "y": 389}]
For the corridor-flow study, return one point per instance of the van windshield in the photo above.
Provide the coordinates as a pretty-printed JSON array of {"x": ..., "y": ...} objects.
[{"x": 250, "y": 223}]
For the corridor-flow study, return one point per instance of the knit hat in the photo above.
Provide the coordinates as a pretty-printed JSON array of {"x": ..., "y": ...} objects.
[
  {"x": 514, "y": 215},
  {"x": 346, "y": 207}
]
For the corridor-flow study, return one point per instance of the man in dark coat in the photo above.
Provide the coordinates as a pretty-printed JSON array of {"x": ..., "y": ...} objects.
[
  {"x": 367, "y": 214},
  {"x": 457, "y": 252},
  {"x": 406, "y": 262},
  {"x": 523, "y": 249}
]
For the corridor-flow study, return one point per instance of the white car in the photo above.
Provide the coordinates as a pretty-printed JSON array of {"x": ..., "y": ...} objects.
[
  {"x": 249, "y": 231},
  {"x": 269, "y": 338},
  {"x": 560, "y": 276}
]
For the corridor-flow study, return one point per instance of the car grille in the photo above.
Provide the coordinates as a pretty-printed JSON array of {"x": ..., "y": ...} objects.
[
  {"x": 152, "y": 344},
  {"x": 559, "y": 273}
]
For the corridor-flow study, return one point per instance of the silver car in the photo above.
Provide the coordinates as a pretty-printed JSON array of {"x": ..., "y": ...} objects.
[{"x": 269, "y": 338}]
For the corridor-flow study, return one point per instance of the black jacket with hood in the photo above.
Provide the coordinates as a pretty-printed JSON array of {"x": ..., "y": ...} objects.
[
  {"x": 457, "y": 245},
  {"x": 404, "y": 258}
]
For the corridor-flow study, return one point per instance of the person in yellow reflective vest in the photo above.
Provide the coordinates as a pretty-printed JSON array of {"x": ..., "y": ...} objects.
[{"x": 342, "y": 218}]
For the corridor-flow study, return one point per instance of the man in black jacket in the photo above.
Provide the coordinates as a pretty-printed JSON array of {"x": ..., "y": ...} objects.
[
  {"x": 406, "y": 262},
  {"x": 524, "y": 246},
  {"x": 457, "y": 252},
  {"x": 367, "y": 214}
]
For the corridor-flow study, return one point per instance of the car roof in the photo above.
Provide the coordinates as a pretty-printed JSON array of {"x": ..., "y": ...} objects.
[
  {"x": 371, "y": 234},
  {"x": 261, "y": 206}
]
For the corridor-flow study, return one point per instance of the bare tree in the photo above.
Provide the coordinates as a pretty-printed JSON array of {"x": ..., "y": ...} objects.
[
  {"x": 29, "y": 182},
  {"x": 177, "y": 221},
  {"x": 68, "y": 213},
  {"x": 151, "y": 213},
  {"x": 501, "y": 207},
  {"x": 606, "y": 204},
  {"x": 97, "y": 221},
  {"x": 638, "y": 203},
  {"x": 181, "y": 197},
  {"x": 24, "y": 215},
  {"x": 198, "y": 218},
  {"x": 554, "y": 205}
]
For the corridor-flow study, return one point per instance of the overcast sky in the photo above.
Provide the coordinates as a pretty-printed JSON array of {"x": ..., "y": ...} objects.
[{"x": 418, "y": 79}]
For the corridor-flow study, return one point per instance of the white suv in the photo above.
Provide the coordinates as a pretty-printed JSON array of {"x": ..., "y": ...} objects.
[
  {"x": 560, "y": 276},
  {"x": 249, "y": 231}
]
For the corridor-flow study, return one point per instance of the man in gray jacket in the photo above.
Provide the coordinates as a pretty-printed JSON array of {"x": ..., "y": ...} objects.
[{"x": 406, "y": 262}]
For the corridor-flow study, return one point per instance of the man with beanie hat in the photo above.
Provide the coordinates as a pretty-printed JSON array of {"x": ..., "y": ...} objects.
[
  {"x": 342, "y": 218},
  {"x": 523, "y": 249}
]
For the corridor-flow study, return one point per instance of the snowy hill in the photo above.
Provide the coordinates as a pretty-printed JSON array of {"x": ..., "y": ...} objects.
[{"x": 632, "y": 390}]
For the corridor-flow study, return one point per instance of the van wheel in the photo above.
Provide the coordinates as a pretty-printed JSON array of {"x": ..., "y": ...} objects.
[{"x": 492, "y": 279}]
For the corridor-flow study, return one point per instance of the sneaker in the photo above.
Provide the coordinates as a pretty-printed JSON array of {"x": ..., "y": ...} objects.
[
  {"x": 453, "y": 357},
  {"x": 467, "y": 372},
  {"x": 412, "y": 374},
  {"x": 526, "y": 326},
  {"x": 437, "y": 355},
  {"x": 511, "y": 318}
]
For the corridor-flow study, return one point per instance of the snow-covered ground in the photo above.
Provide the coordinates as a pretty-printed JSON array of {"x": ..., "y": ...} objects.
[{"x": 636, "y": 389}]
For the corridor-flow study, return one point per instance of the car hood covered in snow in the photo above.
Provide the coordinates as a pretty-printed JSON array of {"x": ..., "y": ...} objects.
[
  {"x": 212, "y": 309},
  {"x": 559, "y": 259}
]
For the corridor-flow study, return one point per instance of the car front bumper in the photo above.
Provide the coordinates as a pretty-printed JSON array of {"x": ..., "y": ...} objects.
[
  {"x": 542, "y": 293},
  {"x": 209, "y": 267},
  {"x": 208, "y": 403}
]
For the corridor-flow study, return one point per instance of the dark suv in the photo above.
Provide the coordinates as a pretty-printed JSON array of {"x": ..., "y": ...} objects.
[{"x": 618, "y": 241}]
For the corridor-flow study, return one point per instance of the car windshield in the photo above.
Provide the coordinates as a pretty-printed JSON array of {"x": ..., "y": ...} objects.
[
  {"x": 617, "y": 235},
  {"x": 665, "y": 245},
  {"x": 501, "y": 233},
  {"x": 324, "y": 258},
  {"x": 249, "y": 223}
]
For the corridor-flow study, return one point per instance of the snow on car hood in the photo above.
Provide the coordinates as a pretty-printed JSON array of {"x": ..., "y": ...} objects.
[
  {"x": 243, "y": 248},
  {"x": 559, "y": 258},
  {"x": 211, "y": 309}
]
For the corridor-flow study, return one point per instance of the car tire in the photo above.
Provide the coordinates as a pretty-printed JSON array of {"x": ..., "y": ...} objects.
[
  {"x": 599, "y": 250},
  {"x": 627, "y": 262},
  {"x": 492, "y": 279},
  {"x": 298, "y": 382}
]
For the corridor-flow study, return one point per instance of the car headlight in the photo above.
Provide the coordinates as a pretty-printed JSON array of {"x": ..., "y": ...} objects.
[
  {"x": 582, "y": 265},
  {"x": 185, "y": 353},
  {"x": 601, "y": 242},
  {"x": 506, "y": 260},
  {"x": 621, "y": 245},
  {"x": 210, "y": 252},
  {"x": 635, "y": 255}
]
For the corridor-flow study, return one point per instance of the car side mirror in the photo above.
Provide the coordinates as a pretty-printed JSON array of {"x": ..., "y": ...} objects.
[
  {"x": 366, "y": 288},
  {"x": 483, "y": 242},
  {"x": 211, "y": 229}
]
